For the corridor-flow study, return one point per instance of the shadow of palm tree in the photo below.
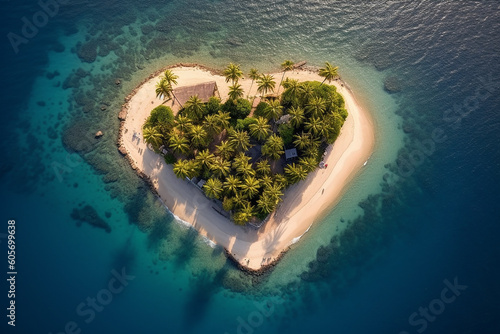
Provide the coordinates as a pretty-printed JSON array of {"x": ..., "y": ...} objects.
[
  {"x": 159, "y": 231},
  {"x": 123, "y": 257},
  {"x": 203, "y": 287},
  {"x": 187, "y": 249}
]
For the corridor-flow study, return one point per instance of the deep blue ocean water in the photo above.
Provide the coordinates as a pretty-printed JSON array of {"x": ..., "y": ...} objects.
[{"x": 422, "y": 214}]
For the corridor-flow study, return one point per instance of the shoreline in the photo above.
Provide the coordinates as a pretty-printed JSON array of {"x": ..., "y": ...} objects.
[{"x": 253, "y": 251}]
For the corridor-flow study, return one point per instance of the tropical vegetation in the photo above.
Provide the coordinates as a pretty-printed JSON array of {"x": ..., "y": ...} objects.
[{"x": 239, "y": 155}]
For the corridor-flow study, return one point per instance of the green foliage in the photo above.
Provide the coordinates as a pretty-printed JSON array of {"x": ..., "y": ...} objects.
[
  {"x": 153, "y": 137},
  {"x": 265, "y": 84},
  {"x": 233, "y": 73},
  {"x": 194, "y": 108},
  {"x": 260, "y": 129},
  {"x": 160, "y": 116},
  {"x": 213, "y": 105},
  {"x": 260, "y": 110},
  {"x": 329, "y": 72},
  {"x": 212, "y": 140},
  {"x": 213, "y": 188},
  {"x": 273, "y": 147},
  {"x": 238, "y": 109},
  {"x": 274, "y": 110},
  {"x": 295, "y": 173},
  {"x": 343, "y": 113},
  {"x": 228, "y": 204},
  {"x": 169, "y": 158},
  {"x": 286, "y": 132},
  {"x": 243, "y": 124}
]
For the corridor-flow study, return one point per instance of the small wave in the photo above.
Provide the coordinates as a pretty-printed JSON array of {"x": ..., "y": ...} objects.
[
  {"x": 296, "y": 239},
  {"x": 187, "y": 224}
]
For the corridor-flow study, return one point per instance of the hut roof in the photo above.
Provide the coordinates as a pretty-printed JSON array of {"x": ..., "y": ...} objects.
[
  {"x": 204, "y": 91},
  {"x": 291, "y": 153}
]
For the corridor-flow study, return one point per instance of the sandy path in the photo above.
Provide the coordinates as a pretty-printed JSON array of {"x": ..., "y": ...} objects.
[{"x": 303, "y": 202}]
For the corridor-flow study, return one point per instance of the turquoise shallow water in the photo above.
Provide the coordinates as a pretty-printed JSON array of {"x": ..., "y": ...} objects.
[{"x": 406, "y": 230}]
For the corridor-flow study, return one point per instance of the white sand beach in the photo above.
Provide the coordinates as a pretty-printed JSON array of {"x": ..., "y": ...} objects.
[{"x": 303, "y": 203}]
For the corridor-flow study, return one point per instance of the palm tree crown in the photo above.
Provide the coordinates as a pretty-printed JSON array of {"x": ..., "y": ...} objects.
[
  {"x": 235, "y": 92},
  {"x": 152, "y": 136},
  {"x": 297, "y": 116},
  {"x": 240, "y": 140},
  {"x": 329, "y": 72},
  {"x": 254, "y": 75},
  {"x": 260, "y": 129},
  {"x": 183, "y": 168},
  {"x": 164, "y": 90},
  {"x": 170, "y": 77},
  {"x": 194, "y": 108},
  {"x": 287, "y": 65},
  {"x": 213, "y": 188},
  {"x": 233, "y": 73},
  {"x": 295, "y": 173},
  {"x": 273, "y": 147},
  {"x": 274, "y": 110},
  {"x": 265, "y": 84}
]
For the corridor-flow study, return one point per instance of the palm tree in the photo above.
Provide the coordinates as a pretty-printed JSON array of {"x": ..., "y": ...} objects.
[
  {"x": 232, "y": 184},
  {"x": 280, "y": 181},
  {"x": 287, "y": 65},
  {"x": 302, "y": 141},
  {"x": 266, "y": 204},
  {"x": 221, "y": 167},
  {"x": 241, "y": 159},
  {"x": 239, "y": 199},
  {"x": 266, "y": 181},
  {"x": 316, "y": 106},
  {"x": 314, "y": 126},
  {"x": 260, "y": 129},
  {"x": 235, "y": 92},
  {"x": 194, "y": 108},
  {"x": 171, "y": 79},
  {"x": 183, "y": 168},
  {"x": 245, "y": 169},
  {"x": 152, "y": 136},
  {"x": 205, "y": 158},
  {"x": 225, "y": 149},
  {"x": 213, "y": 188},
  {"x": 328, "y": 72},
  {"x": 198, "y": 136},
  {"x": 179, "y": 143},
  {"x": 245, "y": 213},
  {"x": 223, "y": 118},
  {"x": 306, "y": 91},
  {"x": 183, "y": 124},
  {"x": 254, "y": 75},
  {"x": 296, "y": 116},
  {"x": 164, "y": 89},
  {"x": 263, "y": 167},
  {"x": 295, "y": 173},
  {"x": 250, "y": 186},
  {"x": 292, "y": 90},
  {"x": 273, "y": 147},
  {"x": 274, "y": 191},
  {"x": 309, "y": 163},
  {"x": 265, "y": 84},
  {"x": 240, "y": 140},
  {"x": 233, "y": 73},
  {"x": 274, "y": 110},
  {"x": 212, "y": 124}
]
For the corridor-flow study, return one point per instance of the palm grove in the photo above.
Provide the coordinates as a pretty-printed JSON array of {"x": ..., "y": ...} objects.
[{"x": 241, "y": 157}]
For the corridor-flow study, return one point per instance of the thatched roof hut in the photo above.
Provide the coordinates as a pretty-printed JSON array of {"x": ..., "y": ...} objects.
[{"x": 204, "y": 91}]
